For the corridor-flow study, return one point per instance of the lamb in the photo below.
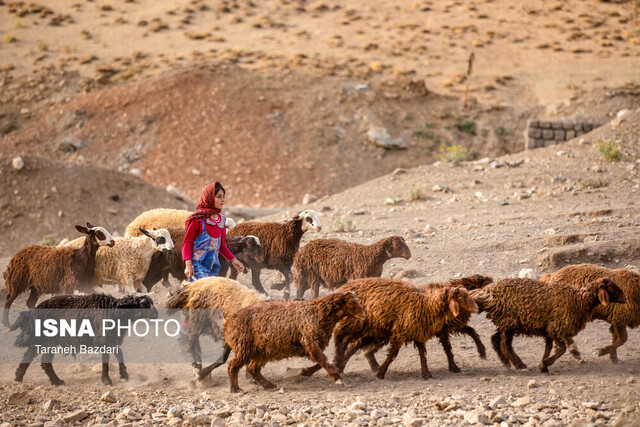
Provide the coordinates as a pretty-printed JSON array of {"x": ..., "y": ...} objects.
[
  {"x": 620, "y": 316},
  {"x": 161, "y": 218},
  {"x": 210, "y": 293},
  {"x": 270, "y": 331},
  {"x": 333, "y": 262},
  {"x": 280, "y": 242},
  {"x": 556, "y": 312},
  {"x": 458, "y": 325},
  {"x": 396, "y": 313},
  {"x": 52, "y": 270},
  {"x": 127, "y": 262},
  {"x": 245, "y": 248},
  {"x": 74, "y": 306}
]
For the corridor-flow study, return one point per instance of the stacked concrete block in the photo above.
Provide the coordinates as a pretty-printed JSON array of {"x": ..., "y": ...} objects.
[{"x": 541, "y": 133}]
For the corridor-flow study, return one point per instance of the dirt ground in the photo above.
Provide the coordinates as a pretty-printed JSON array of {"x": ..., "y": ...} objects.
[{"x": 275, "y": 99}]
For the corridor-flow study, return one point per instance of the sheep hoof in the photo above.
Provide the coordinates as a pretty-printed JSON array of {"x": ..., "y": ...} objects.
[
  {"x": 455, "y": 369},
  {"x": 57, "y": 382},
  {"x": 581, "y": 362},
  {"x": 339, "y": 382},
  {"x": 107, "y": 381}
]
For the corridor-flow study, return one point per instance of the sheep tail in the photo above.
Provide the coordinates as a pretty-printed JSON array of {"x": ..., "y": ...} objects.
[
  {"x": 482, "y": 299},
  {"x": 180, "y": 299}
]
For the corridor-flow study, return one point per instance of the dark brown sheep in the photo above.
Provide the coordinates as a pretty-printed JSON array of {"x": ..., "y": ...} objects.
[
  {"x": 397, "y": 313},
  {"x": 619, "y": 316},
  {"x": 280, "y": 242},
  {"x": 333, "y": 262},
  {"x": 53, "y": 270},
  {"x": 555, "y": 311},
  {"x": 458, "y": 325},
  {"x": 272, "y": 331},
  {"x": 246, "y": 248}
]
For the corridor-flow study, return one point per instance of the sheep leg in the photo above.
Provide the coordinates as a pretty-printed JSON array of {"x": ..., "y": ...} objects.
[
  {"x": 122, "y": 369},
  {"x": 495, "y": 341},
  {"x": 233, "y": 273},
  {"x": 165, "y": 278},
  {"x": 446, "y": 346},
  {"x": 482, "y": 351},
  {"x": 561, "y": 348},
  {"x": 28, "y": 357},
  {"x": 394, "y": 348},
  {"x": 548, "y": 344},
  {"x": 7, "y": 303},
  {"x": 254, "y": 370},
  {"x": 573, "y": 349},
  {"x": 287, "y": 283},
  {"x": 206, "y": 371},
  {"x": 105, "y": 370},
  {"x": 506, "y": 339},
  {"x": 316, "y": 354},
  {"x": 48, "y": 369},
  {"x": 255, "y": 280},
  {"x": 370, "y": 355},
  {"x": 234, "y": 367},
  {"x": 33, "y": 297},
  {"x": 422, "y": 352},
  {"x": 193, "y": 344},
  {"x": 338, "y": 359},
  {"x": 618, "y": 337}
]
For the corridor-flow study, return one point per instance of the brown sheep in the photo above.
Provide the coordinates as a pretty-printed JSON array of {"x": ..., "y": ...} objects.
[
  {"x": 556, "y": 312},
  {"x": 271, "y": 331},
  {"x": 333, "y": 262},
  {"x": 53, "y": 270},
  {"x": 619, "y": 316},
  {"x": 396, "y": 313},
  {"x": 280, "y": 242},
  {"x": 458, "y": 325}
]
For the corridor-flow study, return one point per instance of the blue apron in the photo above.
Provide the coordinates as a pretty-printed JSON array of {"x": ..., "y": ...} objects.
[{"x": 205, "y": 252}]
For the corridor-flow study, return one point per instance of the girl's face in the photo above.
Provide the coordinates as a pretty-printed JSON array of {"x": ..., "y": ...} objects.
[{"x": 219, "y": 199}]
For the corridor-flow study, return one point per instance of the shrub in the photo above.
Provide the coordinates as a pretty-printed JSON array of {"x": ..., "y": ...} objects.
[
  {"x": 610, "y": 150},
  {"x": 453, "y": 153},
  {"x": 417, "y": 192},
  {"x": 342, "y": 226},
  {"x": 10, "y": 38},
  {"x": 49, "y": 240},
  {"x": 467, "y": 127}
]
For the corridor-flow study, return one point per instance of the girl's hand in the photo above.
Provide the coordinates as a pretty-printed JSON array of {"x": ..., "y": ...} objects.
[
  {"x": 188, "y": 269},
  {"x": 238, "y": 265}
]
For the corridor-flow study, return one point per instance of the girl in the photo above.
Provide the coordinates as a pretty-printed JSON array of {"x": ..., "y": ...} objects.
[{"x": 206, "y": 236}]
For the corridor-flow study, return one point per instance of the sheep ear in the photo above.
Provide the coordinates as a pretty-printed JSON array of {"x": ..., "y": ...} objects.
[
  {"x": 454, "y": 307},
  {"x": 82, "y": 229},
  {"x": 90, "y": 225},
  {"x": 145, "y": 232},
  {"x": 603, "y": 296}
]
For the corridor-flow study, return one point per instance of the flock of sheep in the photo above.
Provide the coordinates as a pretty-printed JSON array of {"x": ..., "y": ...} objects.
[{"x": 365, "y": 312}]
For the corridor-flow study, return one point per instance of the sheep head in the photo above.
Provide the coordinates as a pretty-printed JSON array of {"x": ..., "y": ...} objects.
[
  {"x": 460, "y": 301},
  {"x": 161, "y": 238},
  {"x": 253, "y": 249},
  {"x": 310, "y": 220},
  {"x": 609, "y": 292},
  {"x": 396, "y": 247},
  {"x": 351, "y": 306},
  {"x": 103, "y": 237}
]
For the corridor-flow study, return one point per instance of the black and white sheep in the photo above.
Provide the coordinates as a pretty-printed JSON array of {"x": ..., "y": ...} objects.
[
  {"x": 53, "y": 270},
  {"x": 75, "y": 305},
  {"x": 555, "y": 311},
  {"x": 333, "y": 262},
  {"x": 280, "y": 242}
]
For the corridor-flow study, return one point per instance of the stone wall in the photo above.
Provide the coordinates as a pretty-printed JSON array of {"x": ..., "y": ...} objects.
[{"x": 541, "y": 133}]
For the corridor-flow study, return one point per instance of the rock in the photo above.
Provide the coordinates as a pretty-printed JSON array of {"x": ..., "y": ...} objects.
[
  {"x": 195, "y": 172},
  {"x": 476, "y": 416},
  {"x": 410, "y": 419},
  {"x": 70, "y": 145},
  {"x": 17, "y": 163},
  {"x": 135, "y": 172},
  {"x": 78, "y": 415},
  {"x": 590, "y": 405},
  {"x": 523, "y": 401},
  {"x": 50, "y": 405},
  {"x": 357, "y": 406},
  {"x": 279, "y": 418},
  {"x": 219, "y": 422},
  {"x": 630, "y": 380},
  {"x": 399, "y": 171},
  {"x": 441, "y": 188},
  {"x": 174, "y": 192},
  {"x": 309, "y": 198},
  {"x": 380, "y": 137},
  {"x": 175, "y": 412},
  {"x": 200, "y": 419},
  {"x": 109, "y": 397},
  {"x": 497, "y": 402},
  {"x": 529, "y": 273},
  {"x": 622, "y": 113},
  {"x": 531, "y": 383},
  {"x": 362, "y": 88},
  {"x": 18, "y": 398}
]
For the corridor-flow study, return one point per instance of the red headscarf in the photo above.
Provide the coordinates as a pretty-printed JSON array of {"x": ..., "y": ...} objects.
[{"x": 206, "y": 205}]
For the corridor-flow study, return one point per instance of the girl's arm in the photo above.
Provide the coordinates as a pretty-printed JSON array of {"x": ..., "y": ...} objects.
[
  {"x": 224, "y": 250},
  {"x": 189, "y": 239}
]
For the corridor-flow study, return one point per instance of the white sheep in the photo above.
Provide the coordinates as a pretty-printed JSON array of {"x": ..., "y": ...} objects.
[
  {"x": 162, "y": 218},
  {"x": 127, "y": 262}
]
